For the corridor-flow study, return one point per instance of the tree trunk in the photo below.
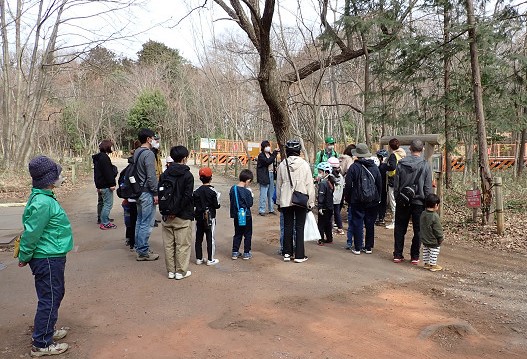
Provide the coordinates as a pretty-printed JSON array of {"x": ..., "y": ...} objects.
[
  {"x": 521, "y": 152},
  {"x": 447, "y": 66},
  {"x": 484, "y": 168},
  {"x": 367, "y": 92}
]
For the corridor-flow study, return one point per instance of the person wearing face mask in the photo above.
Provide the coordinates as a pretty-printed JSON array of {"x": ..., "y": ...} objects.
[
  {"x": 104, "y": 173},
  {"x": 265, "y": 172},
  {"x": 46, "y": 240},
  {"x": 325, "y": 154},
  {"x": 157, "y": 153}
]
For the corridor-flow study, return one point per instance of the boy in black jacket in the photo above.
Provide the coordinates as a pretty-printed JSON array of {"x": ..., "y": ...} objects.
[
  {"x": 245, "y": 201},
  {"x": 326, "y": 186},
  {"x": 205, "y": 203},
  {"x": 177, "y": 224}
]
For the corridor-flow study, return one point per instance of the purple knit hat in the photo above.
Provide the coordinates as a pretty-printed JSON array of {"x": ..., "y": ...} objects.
[{"x": 44, "y": 171}]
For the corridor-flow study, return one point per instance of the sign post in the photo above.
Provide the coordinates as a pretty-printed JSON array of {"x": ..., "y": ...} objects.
[{"x": 473, "y": 197}]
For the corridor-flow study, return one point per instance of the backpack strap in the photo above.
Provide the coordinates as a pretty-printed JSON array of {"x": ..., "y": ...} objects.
[{"x": 236, "y": 196}]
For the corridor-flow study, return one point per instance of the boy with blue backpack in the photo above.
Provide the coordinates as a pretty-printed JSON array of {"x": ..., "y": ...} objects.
[{"x": 241, "y": 199}]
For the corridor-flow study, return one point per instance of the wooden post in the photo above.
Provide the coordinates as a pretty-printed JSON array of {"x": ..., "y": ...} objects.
[
  {"x": 474, "y": 210},
  {"x": 73, "y": 173},
  {"x": 439, "y": 190},
  {"x": 498, "y": 185}
]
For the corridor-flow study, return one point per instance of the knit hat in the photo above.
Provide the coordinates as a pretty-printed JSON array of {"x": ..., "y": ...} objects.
[
  {"x": 205, "y": 172},
  {"x": 44, "y": 171}
]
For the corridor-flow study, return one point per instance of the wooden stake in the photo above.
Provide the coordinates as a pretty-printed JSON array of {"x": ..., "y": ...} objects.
[{"x": 500, "y": 222}]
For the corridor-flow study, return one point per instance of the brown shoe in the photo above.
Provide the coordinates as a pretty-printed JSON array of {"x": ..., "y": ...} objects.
[
  {"x": 435, "y": 268},
  {"x": 147, "y": 257}
]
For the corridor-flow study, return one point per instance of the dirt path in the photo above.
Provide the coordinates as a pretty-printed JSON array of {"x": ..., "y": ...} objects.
[{"x": 335, "y": 305}]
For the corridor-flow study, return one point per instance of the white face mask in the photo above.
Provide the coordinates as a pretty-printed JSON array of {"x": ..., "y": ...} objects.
[
  {"x": 331, "y": 147},
  {"x": 155, "y": 144},
  {"x": 267, "y": 149},
  {"x": 59, "y": 181}
]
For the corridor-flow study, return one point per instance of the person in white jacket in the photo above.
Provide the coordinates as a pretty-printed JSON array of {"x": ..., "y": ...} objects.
[
  {"x": 337, "y": 193},
  {"x": 297, "y": 177}
]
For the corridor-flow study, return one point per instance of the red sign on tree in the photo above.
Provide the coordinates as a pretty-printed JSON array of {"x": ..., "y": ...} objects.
[{"x": 473, "y": 198}]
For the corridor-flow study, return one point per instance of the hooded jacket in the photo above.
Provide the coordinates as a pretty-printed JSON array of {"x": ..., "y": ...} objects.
[
  {"x": 262, "y": 167},
  {"x": 301, "y": 177},
  {"x": 104, "y": 172},
  {"x": 353, "y": 177},
  {"x": 393, "y": 159},
  {"x": 184, "y": 187},
  {"x": 413, "y": 170}
]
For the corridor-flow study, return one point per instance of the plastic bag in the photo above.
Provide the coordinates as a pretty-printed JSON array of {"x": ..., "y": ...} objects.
[{"x": 311, "y": 232}]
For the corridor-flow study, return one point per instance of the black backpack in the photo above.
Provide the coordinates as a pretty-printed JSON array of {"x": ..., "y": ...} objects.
[
  {"x": 128, "y": 186},
  {"x": 367, "y": 190},
  {"x": 169, "y": 198}
]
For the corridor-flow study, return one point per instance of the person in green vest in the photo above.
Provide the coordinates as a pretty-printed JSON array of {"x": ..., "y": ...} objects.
[{"x": 325, "y": 154}]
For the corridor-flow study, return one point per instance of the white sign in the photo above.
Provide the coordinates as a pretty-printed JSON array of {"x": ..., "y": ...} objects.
[
  {"x": 252, "y": 145},
  {"x": 208, "y": 143}
]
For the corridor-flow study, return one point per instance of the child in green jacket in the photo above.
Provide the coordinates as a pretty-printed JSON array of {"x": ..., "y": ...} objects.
[
  {"x": 431, "y": 233},
  {"x": 46, "y": 239}
]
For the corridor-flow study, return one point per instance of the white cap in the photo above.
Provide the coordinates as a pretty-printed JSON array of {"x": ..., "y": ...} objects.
[{"x": 334, "y": 162}]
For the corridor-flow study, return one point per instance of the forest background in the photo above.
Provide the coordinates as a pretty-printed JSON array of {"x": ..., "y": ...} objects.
[{"x": 361, "y": 71}]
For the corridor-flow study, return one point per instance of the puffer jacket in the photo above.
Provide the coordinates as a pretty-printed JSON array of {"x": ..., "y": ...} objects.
[{"x": 301, "y": 177}]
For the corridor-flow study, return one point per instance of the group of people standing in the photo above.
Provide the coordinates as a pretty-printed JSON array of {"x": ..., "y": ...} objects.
[{"x": 354, "y": 177}]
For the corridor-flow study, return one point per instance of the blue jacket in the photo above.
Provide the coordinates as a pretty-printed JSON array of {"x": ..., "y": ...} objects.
[{"x": 245, "y": 199}]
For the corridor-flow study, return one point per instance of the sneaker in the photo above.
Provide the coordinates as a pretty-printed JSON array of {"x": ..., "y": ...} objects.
[
  {"x": 53, "y": 349},
  {"x": 171, "y": 275},
  {"x": 273, "y": 213},
  {"x": 390, "y": 226},
  {"x": 426, "y": 266},
  {"x": 60, "y": 333},
  {"x": 368, "y": 251},
  {"x": 147, "y": 257},
  {"x": 348, "y": 247},
  {"x": 180, "y": 276},
  {"x": 199, "y": 261},
  {"x": 355, "y": 252},
  {"x": 339, "y": 231},
  {"x": 435, "y": 268},
  {"x": 300, "y": 260},
  {"x": 287, "y": 257},
  {"x": 107, "y": 226},
  {"x": 398, "y": 259},
  {"x": 261, "y": 214},
  {"x": 415, "y": 261},
  {"x": 247, "y": 255},
  {"x": 380, "y": 223},
  {"x": 320, "y": 243},
  {"x": 213, "y": 262},
  {"x": 235, "y": 255}
]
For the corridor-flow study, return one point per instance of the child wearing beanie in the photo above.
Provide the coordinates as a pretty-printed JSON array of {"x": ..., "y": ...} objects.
[{"x": 46, "y": 240}]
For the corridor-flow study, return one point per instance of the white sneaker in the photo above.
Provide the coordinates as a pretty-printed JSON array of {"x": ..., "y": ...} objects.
[
  {"x": 180, "y": 276},
  {"x": 287, "y": 258},
  {"x": 60, "y": 333},
  {"x": 199, "y": 261},
  {"x": 300, "y": 260},
  {"x": 213, "y": 262},
  {"x": 390, "y": 226},
  {"x": 171, "y": 275},
  {"x": 53, "y": 349},
  {"x": 355, "y": 252}
]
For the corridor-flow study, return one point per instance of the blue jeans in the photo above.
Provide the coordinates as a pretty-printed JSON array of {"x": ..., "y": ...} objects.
[
  {"x": 362, "y": 217},
  {"x": 145, "y": 220},
  {"x": 266, "y": 195},
  {"x": 49, "y": 284},
  {"x": 107, "y": 204}
]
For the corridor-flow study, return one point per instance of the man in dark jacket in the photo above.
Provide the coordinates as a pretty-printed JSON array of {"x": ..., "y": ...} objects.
[
  {"x": 265, "y": 170},
  {"x": 415, "y": 173},
  {"x": 363, "y": 193},
  {"x": 177, "y": 225},
  {"x": 104, "y": 173}
]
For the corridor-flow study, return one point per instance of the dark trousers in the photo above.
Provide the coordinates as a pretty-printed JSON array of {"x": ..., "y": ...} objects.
[
  {"x": 338, "y": 216},
  {"x": 202, "y": 230},
  {"x": 402, "y": 218},
  {"x": 130, "y": 230},
  {"x": 49, "y": 284},
  {"x": 325, "y": 226},
  {"x": 363, "y": 217},
  {"x": 242, "y": 231},
  {"x": 294, "y": 220},
  {"x": 382, "y": 206}
]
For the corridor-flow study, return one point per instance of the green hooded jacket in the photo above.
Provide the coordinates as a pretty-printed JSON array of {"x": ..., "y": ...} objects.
[{"x": 47, "y": 229}]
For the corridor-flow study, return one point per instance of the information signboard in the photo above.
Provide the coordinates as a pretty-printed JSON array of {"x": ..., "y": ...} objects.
[
  {"x": 473, "y": 198},
  {"x": 207, "y": 143}
]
